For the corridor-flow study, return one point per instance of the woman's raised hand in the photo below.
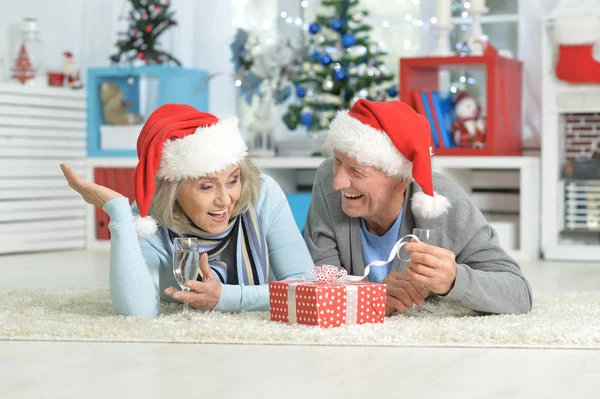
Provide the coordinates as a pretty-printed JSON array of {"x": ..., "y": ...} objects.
[{"x": 92, "y": 193}]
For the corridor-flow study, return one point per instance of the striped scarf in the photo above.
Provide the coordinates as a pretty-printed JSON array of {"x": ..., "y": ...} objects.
[{"x": 249, "y": 250}]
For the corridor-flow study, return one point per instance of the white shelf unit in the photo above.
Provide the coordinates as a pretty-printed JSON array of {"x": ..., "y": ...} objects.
[
  {"x": 520, "y": 210},
  {"x": 561, "y": 101},
  {"x": 507, "y": 191},
  {"x": 40, "y": 127}
]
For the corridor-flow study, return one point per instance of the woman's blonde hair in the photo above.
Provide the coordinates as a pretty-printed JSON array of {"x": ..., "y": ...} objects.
[{"x": 165, "y": 208}]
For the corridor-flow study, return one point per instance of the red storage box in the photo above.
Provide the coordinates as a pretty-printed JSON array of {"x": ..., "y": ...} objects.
[{"x": 503, "y": 97}]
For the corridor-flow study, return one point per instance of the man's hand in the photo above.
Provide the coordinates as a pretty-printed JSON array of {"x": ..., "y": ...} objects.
[
  {"x": 432, "y": 266},
  {"x": 403, "y": 293}
]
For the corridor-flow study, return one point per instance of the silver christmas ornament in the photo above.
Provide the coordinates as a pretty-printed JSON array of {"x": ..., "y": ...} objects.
[
  {"x": 373, "y": 48},
  {"x": 357, "y": 51},
  {"x": 374, "y": 92},
  {"x": 328, "y": 84},
  {"x": 319, "y": 38}
]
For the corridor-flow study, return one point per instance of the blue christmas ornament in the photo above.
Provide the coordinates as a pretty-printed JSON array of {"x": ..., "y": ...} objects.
[
  {"x": 314, "y": 28},
  {"x": 300, "y": 91},
  {"x": 306, "y": 119},
  {"x": 336, "y": 24},
  {"x": 315, "y": 56},
  {"x": 392, "y": 91},
  {"x": 325, "y": 59},
  {"x": 340, "y": 75},
  {"x": 348, "y": 40}
]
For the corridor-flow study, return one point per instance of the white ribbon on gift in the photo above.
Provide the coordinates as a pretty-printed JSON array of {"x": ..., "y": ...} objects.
[
  {"x": 395, "y": 252},
  {"x": 351, "y": 290}
]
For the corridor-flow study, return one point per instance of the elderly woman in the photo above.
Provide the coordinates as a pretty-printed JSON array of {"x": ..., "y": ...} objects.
[
  {"x": 377, "y": 188},
  {"x": 194, "y": 179}
]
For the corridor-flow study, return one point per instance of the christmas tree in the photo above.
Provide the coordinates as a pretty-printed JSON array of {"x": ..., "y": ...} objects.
[
  {"x": 342, "y": 65},
  {"x": 148, "y": 19},
  {"x": 23, "y": 70}
]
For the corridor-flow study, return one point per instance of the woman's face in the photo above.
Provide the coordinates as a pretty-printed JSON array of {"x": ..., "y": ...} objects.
[{"x": 209, "y": 200}]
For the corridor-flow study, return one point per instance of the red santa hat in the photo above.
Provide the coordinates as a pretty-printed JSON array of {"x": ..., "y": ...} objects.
[
  {"x": 392, "y": 137},
  {"x": 179, "y": 142},
  {"x": 464, "y": 95}
]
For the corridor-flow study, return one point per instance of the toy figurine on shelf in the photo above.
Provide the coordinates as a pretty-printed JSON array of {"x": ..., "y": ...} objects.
[
  {"x": 71, "y": 71},
  {"x": 115, "y": 107},
  {"x": 469, "y": 128},
  {"x": 587, "y": 169}
]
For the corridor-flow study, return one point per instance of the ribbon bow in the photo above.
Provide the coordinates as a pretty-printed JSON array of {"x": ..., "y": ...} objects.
[
  {"x": 326, "y": 273},
  {"x": 330, "y": 273}
]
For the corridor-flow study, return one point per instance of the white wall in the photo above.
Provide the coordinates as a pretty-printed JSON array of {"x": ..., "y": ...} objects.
[
  {"x": 532, "y": 12},
  {"x": 89, "y": 29},
  {"x": 60, "y": 21}
]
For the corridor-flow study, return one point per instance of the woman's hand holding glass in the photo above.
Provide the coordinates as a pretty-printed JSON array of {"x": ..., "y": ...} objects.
[{"x": 206, "y": 293}]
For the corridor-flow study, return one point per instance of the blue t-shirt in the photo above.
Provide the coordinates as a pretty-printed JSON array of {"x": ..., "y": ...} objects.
[{"x": 376, "y": 247}]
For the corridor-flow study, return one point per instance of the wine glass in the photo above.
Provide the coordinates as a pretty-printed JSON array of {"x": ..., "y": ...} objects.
[
  {"x": 427, "y": 236},
  {"x": 186, "y": 263}
]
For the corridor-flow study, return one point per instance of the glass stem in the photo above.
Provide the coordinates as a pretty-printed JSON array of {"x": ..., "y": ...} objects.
[{"x": 186, "y": 305}]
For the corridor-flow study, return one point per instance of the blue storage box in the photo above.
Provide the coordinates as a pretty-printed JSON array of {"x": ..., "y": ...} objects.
[{"x": 145, "y": 88}]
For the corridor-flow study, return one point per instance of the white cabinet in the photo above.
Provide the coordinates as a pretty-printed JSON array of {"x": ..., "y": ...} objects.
[
  {"x": 571, "y": 126},
  {"x": 39, "y": 129}
]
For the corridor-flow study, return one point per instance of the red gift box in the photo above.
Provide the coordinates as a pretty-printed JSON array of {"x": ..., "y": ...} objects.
[{"x": 327, "y": 304}]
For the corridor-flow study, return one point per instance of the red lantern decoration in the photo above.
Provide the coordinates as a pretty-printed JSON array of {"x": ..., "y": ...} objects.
[{"x": 148, "y": 29}]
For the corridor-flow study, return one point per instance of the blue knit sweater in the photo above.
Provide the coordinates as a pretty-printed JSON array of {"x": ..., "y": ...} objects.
[{"x": 141, "y": 267}]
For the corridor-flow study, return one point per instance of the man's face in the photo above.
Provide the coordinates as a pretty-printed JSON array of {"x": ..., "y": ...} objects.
[{"x": 367, "y": 192}]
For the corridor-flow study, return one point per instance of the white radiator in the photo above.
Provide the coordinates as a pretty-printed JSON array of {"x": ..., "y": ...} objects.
[{"x": 40, "y": 128}]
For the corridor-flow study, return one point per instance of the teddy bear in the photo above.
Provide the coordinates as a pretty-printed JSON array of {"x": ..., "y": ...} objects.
[{"x": 114, "y": 106}]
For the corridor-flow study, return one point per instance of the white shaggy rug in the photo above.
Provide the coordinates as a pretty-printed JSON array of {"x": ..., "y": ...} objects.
[{"x": 566, "y": 320}]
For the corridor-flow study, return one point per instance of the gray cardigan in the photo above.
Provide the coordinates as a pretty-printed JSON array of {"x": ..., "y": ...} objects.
[{"x": 487, "y": 279}]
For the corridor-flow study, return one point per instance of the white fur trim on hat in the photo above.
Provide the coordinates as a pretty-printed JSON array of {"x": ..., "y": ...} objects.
[
  {"x": 429, "y": 207},
  {"x": 367, "y": 145},
  {"x": 208, "y": 150},
  {"x": 145, "y": 226},
  {"x": 576, "y": 31}
]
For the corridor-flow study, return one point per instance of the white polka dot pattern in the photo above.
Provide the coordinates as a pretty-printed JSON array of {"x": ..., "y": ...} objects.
[{"x": 327, "y": 304}]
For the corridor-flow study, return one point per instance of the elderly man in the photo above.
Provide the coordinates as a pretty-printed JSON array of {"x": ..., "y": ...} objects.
[{"x": 377, "y": 188}]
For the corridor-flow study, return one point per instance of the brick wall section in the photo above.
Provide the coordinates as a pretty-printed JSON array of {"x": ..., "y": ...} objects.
[{"x": 582, "y": 135}]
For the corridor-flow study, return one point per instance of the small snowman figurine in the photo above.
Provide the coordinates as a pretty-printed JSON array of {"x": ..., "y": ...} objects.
[{"x": 469, "y": 128}]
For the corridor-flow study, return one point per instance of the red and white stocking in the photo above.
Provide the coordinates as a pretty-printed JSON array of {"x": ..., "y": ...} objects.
[{"x": 576, "y": 40}]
